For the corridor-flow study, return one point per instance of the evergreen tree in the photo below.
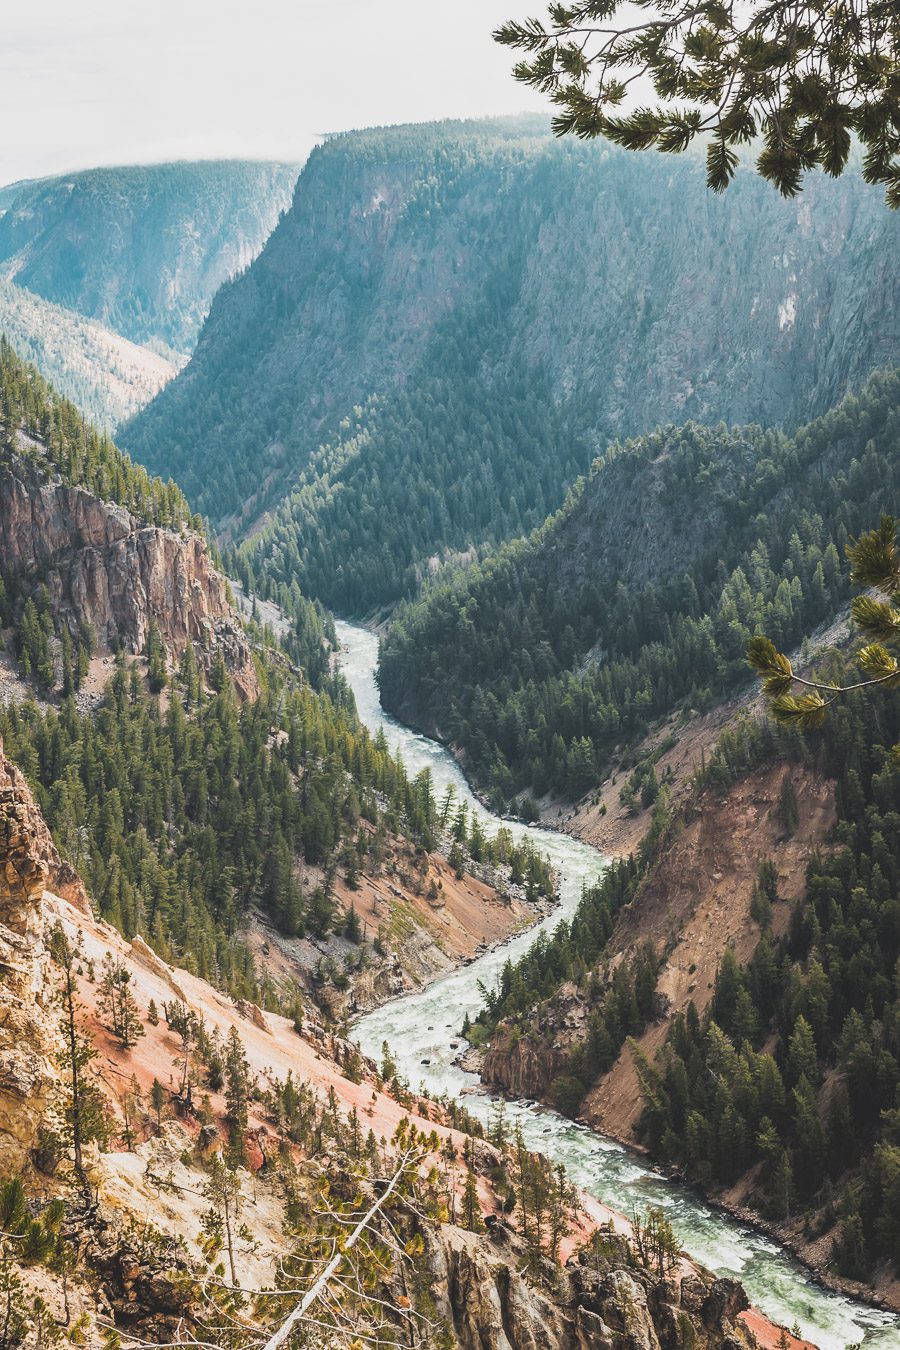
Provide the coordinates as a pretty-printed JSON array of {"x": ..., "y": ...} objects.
[
  {"x": 116, "y": 1002},
  {"x": 80, "y": 1116},
  {"x": 740, "y": 83}
]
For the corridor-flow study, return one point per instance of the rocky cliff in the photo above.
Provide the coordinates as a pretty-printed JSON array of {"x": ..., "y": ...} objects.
[
  {"x": 29, "y": 864},
  {"x": 105, "y": 568},
  {"x": 512, "y": 302},
  {"x": 526, "y": 1065},
  {"x": 602, "y": 1300}
]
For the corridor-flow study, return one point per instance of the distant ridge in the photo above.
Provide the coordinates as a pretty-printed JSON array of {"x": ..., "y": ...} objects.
[
  {"x": 108, "y": 377},
  {"x": 142, "y": 249}
]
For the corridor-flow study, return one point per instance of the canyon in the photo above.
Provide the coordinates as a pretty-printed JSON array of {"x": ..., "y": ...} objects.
[{"x": 597, "y": 1301}]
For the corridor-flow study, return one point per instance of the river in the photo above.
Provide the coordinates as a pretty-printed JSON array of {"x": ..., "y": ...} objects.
[{"x": 421, "y": 1026}]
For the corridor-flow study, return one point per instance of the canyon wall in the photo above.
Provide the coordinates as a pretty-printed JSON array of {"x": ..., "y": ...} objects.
[{"x": 105, "y": 568}]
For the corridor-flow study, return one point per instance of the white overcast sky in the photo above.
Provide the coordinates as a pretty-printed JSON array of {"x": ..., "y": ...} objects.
[{"x": 132, "y": 81}]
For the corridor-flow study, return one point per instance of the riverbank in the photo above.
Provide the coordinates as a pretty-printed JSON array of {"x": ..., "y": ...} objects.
[
  {"x": 414, "y": 920},
  {"x": 787, "y": 1235},
  {"x": 812, "y": 1254},
  {"x": 424, "y": 1029},
  {"x": 604, "y": 821}
]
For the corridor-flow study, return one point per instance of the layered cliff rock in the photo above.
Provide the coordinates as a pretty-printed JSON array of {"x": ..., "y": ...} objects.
[{"x": 105, "y": 568}]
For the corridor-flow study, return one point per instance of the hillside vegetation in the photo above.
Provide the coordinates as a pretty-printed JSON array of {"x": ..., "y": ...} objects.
[
  {"x": 37, "y": 422},
  {"x": 108, "y": 377},
  {"x": 641, "y": 594},
  {"x": 453, "y": 320},
  {"x": 778, "y": 1083},
  {"x": 193, "y": 800}
]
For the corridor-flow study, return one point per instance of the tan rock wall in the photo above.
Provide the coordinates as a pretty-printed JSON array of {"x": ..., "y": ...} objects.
[{"x": 104, "y": 568}]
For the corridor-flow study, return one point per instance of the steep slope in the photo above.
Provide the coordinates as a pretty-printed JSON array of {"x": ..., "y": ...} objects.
[
  {"x": 10, "y": 192},
  {"x": 29, "y": 863},
  {"x": 640, "y": 595},
  {"x": 108, "y": 377},
  {"x": 734, "y": 1006},
  {"x": 193, "y": 1193},
  {"x": 452, "y": 320},
  {"x": 123, "y": 573},
  {"x": 142, "y": 249},
  {"x": 107, "y": 572},
  {"x": 335, "y": 876}
]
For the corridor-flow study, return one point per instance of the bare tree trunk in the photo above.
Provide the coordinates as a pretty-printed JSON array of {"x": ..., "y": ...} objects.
[{"x": 282, "y": 1335}]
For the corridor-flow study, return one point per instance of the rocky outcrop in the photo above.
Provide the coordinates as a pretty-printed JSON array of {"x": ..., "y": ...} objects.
[
  {"x": 488, "y": 1303},
  {"x": 141, "y": 1284},
  {"x": 29, "y": 864},
  {"x": 520, "y": 1065},
  {"x": 29, "y": 860},
  {"x": 105, "y": 568},
  {"x": 602, "y": 1300}
]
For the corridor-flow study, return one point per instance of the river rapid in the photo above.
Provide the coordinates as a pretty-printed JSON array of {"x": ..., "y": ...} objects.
[{"x": 421, "y": 1028}]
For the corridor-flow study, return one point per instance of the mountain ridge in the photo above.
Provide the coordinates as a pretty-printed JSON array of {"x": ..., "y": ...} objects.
[
  {"x": 450, "y": 323},
  {"x": 108, "y": 376},
  {"x": 552, "y": 658},
  {"x": 142, "y": 248}
]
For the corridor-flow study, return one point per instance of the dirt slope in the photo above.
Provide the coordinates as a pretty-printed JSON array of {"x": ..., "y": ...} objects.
[{"x": 697, "y": 902}]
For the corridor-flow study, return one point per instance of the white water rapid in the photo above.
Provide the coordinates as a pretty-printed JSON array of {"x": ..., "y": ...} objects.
[{"x": 420, "y": 1027}]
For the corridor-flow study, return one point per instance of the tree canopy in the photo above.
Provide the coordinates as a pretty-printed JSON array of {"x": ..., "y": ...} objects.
[
  {"x": 802, "y": 77},
  {"x": 876, "y": 564}
]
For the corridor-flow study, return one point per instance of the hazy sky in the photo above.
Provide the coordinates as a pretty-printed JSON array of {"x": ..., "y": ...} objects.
[{"x": 125, "y": 81}]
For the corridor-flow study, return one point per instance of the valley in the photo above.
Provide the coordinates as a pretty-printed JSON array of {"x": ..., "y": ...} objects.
[
  {"x": 450, "y": 689},
  {"x": 453, "y": 321},
  {"x": 428, "y": 1047}
]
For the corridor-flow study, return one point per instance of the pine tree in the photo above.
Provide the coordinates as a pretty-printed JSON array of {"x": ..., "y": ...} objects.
[
  {"x": 132, "y": 1102},
  {"x": 237, "y": 1092},
  {"x": 561, "y": 1204},
  {"x": 155, "y": 652},
  {"x": 788, "y": 811},
  {"x": 81, "y": 1115},
  {"x": 220, "y": 1223},
  {"x": 116, "y": 1001},
  {"x": 471, "y": 1209},
  {"x": 158, "y": 1102},
  {"x": 352, "y": 926}
]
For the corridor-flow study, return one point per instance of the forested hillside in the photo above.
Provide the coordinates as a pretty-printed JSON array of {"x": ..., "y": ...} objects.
[
  {"x": 105, "y": 374},
  {"x": 10, "y": 192},
  {"x": 37, "y": 423},
  {"x": 452, "y": 321},
  {"x": 780, "y": 1082},
  {"x": 142, "y": 249},
  {"x": 641, "y": 594},
  {"x": 190, "y": 793},
  {"x": 795, "y": 1069}
]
